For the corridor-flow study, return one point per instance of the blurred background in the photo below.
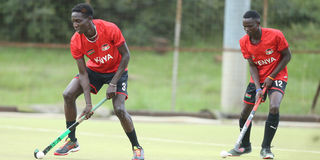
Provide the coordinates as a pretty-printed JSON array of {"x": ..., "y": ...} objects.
[{"x": 36, "y": 64}]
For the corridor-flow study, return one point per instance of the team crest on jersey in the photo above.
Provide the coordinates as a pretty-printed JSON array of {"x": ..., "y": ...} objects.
[
  {"x": 91, "y": 51},
  {"x": 269, "y": 51},
  {"x": 248, "y": 95},
  {"x": 105, "y": 47}
]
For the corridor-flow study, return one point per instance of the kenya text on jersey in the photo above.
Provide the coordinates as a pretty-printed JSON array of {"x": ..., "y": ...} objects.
[
  {"x": 265, "y": 61},
  {"x": 102, "y": 60}
]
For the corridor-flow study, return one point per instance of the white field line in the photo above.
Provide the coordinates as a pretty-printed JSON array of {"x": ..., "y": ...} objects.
[
  {"x": 152, "y": 139},
  {"x": 177, "y": 119}
]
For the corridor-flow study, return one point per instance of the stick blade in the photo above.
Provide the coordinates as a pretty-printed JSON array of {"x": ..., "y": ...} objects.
[{"x": 35, "y": 153}]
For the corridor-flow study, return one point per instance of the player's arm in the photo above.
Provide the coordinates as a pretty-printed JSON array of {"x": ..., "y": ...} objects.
[
  {"x": 285, "y": 58},
  {"x": 125, "y": 57},
  {"x": 254, "y": 73},
  {"x": 255, "y": 76},
  {"x": 85, "y": 84}
]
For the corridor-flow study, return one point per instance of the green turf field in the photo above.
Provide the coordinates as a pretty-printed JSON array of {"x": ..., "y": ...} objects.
[{"x": 104, "y": 140}]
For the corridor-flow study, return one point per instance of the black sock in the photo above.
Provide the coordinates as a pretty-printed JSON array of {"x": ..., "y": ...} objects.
[
  {"x": 270, "y": 129},
  {"x": 72, "y": 134},
  {"x": 246, "y": 137},
  {"x": 133, "y": 138}
]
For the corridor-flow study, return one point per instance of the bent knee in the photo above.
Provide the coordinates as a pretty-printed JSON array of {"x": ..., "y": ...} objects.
[
  {"x": 120, "y": 112},
  {"x": 246, "y": 111},
  {"x": 274, "y": 109},
  {"x": 68, "y": 96},
  {"x": 244, "y": 115}
]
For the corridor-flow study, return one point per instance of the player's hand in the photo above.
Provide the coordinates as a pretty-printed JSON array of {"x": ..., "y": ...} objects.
[
  {"x": 267, "y": 82},
  {"x": 259, "y": 94},
  {"x": 87, "y": 111},
  {"x": 111, "y": 91}
]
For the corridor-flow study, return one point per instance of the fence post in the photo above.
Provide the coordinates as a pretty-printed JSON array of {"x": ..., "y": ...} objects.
[
  {"x": 176, "y": 53},
  {"x": 315, "y": 99},
  {"x": 265, "y": 13},
  {"x": 234, "y": 66}
]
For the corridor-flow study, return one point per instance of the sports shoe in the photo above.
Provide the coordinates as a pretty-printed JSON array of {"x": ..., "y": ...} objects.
[
  {"x": 68, "y": 147},
  {"x": 266, "y": 153},
  {"x": 240, "y": 151},
  {"x": 138, "y": 153}
]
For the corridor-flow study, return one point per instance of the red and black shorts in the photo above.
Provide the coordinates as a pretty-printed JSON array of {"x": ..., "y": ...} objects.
[
  {"x": 250, "y": 95},
  {"x": 97, "y": 80}
]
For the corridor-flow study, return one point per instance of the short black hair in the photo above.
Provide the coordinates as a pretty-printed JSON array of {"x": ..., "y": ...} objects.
[
  {"x": 252, "y": 14},
  {"x": 83, "y": 8}
]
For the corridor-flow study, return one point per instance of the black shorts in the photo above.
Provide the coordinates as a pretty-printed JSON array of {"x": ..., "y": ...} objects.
[
  {"x": 97, "y": 80},
  {"x": 250, "y": 95}
]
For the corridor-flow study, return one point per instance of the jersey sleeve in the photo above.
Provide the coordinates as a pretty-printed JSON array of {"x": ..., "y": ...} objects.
[
  {"x": 282, "y": 42},
  {"x": 75, "y": 47},
  {"x": 117, "y": 36},
  {"x": 244, "y": 50}
]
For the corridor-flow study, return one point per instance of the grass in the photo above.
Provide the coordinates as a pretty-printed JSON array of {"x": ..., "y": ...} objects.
[
  {"x": 38, "y": 76},
  {"x": 105, "y": 140}
]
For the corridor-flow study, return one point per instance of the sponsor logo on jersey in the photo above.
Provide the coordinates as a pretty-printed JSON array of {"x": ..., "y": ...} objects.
[
  {"x": 265, "y": 61},
  {"x": 91, "y": 51},
  {"x": 103, "y": 59},
  {"x": 105, "y": 47},
  {"x": 269, "y": 51}
]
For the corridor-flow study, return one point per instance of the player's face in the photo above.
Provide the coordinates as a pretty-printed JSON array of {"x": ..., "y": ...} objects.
[
  {"x": 80, "y": 22},
  {"x": 251, "y": 26}
]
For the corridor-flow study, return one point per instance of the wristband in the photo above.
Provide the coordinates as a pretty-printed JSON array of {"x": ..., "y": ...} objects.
[
  {"x": 259, "y": 89},
  {"x": 270, "y": 77},
  {"x": 113, "y": 85}
]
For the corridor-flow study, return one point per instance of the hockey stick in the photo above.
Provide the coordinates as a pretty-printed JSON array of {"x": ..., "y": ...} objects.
[
  {"x": 246, "y": 125},
  {"x": 40, "y": 154}
]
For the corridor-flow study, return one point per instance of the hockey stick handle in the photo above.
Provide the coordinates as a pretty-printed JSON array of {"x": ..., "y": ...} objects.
[
  {"x": 248, "y": 121},
  {"x": 72, "y": 127}
]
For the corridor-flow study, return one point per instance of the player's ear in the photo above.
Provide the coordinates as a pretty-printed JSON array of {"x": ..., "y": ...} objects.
[{"x": 258, "y": 21}]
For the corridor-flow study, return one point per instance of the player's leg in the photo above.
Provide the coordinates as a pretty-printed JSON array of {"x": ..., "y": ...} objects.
[
  {"x": 70, "y": 94},
  {"x": 271, "y": 124},
  {"x": 243, "y": 118},
  {"x": 123, "y": 115},
  {"x": 275, "y": 94},
  {"x": 127, "y": 125},
  {"x": 249, "y": 100},
  {"x": 245, "y": 146}
]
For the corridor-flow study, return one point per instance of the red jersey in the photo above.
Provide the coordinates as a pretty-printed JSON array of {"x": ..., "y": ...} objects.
[
  {"x": 103, "y": 53},
  {"x": 266, "y": 54}
]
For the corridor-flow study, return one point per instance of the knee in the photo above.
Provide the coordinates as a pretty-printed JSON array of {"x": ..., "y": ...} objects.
[
  {"x": 120, "y": 112},
  {"x": 245, "y": 112},
  {"x": 274, "y": 109},
  {"x": 68, "y": 97}
]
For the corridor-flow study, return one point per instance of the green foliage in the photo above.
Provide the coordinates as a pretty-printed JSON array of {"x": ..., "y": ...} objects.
[
  {"x": 303, "y": 36},
  {"x": 36, "y": 21},
  {"x": 202, "y": 23},
  {"x": 143, "y": 20}
]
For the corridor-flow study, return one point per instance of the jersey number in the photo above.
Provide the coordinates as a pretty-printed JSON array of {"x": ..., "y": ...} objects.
[
  {"x": 124, "y": 86},
  {"x": 278, "y": 83}
]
